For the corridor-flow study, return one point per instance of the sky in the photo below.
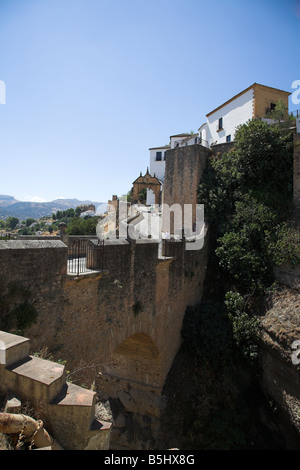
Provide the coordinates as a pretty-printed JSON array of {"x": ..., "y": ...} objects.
[{"x": 91, "y": 85}]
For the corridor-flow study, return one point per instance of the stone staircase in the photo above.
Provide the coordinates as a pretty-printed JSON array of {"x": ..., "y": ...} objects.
[{"x": 67, "y": 410}]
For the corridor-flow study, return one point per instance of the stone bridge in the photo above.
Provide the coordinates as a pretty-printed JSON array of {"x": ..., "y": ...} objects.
[{"x": 118, "y": 327}]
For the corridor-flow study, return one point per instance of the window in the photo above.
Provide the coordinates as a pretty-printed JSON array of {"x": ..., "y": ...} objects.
[
  {"x": 271, "y": 108},
  {"x": 158, "y": 156},
  {"x": 228, "y": 138},
  {"x": 220, "y": 125}
]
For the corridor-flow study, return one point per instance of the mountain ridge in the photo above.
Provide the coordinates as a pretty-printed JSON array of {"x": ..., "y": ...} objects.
[{"x": 11, "y": 207}]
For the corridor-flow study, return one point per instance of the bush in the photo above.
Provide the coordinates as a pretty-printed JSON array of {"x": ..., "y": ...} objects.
[
  {"x": 284, "y": 244},
  {"x": 244, "y": 326},
  {"x": 79, "y": 226},
  {"x": 247, "y": 194},
  {"x": 261, "y": 165},
  {"x": 242, "y": 250}
]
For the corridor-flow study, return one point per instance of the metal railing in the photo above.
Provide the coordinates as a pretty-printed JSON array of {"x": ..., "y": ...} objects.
[
  {"x": 85, "y": 255},
  {"x": 295, "y": 113},
  {"x": 168, "y": 247}
]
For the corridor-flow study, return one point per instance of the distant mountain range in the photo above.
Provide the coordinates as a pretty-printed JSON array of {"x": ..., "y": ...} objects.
[{"x": 9, "y": 206}]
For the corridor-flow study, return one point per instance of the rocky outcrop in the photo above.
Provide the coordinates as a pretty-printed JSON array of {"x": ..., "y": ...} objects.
[{"x": 280, "y": 351}]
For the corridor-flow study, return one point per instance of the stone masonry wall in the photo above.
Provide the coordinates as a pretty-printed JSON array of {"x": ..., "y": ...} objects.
[
  {"x": 184, "y": 168},
  {"x": 85, "y": 318},
  {"x": 118, "y": 329},
  {"x": 220, "y": 149}
]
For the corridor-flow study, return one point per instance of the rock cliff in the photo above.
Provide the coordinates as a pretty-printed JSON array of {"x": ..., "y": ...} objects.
[{"x": 280, "y": 364}]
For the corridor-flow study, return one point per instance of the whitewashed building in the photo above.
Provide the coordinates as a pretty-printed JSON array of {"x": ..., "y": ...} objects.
[
  {"x": 182, "y": 140},
  {"x": 158, "y": 158},
  {"x": 253, "y": 102},
  {"x": 157, "y": 168},
  {"x": 221, "y": 124}
]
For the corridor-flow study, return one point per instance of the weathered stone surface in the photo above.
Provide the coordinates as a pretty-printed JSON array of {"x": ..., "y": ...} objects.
[
  {"x": 288, "y": 275},
  {"x": 184, "y": 168},
  {"x": 280, "y": 334},
  {"x": 120, "y": 328}
]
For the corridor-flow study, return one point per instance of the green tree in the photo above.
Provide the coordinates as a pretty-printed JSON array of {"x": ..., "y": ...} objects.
[
  {"x": 29, "y": 221},
  {"x": 11, "y": 222},
  {"x": 247, "y": 195},
  {"x": 142, "y": 195},
  {"x": 79, "y": 226},
  {"x": 69, "y": 212},
  {"x": 261, "y": 164},
  {"x": 280, "y": 115},
  {"x": 243, "y": 247},
  {"x": 78, "y": 211}
]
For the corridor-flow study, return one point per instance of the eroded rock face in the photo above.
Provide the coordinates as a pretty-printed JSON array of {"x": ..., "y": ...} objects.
[{"x": 280, "y": 352}]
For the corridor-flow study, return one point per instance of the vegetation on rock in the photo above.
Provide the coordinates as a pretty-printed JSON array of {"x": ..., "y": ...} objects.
[{"x": 247, "y": 196}]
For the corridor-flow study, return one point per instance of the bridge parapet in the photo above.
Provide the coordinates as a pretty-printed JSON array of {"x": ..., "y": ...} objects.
[{"x": 120, "y": 325}]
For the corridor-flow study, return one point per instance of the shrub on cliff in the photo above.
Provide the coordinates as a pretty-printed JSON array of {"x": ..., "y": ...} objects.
[
  {"x": 284, "y": 244},
  {"x": 261, "y": 165},
  {"x": 247, "y": 196}
]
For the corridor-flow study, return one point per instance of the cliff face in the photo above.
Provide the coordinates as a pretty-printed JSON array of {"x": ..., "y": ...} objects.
[
  {"x": 215, "y": 408},
  {"x": 280, "y": 352}
]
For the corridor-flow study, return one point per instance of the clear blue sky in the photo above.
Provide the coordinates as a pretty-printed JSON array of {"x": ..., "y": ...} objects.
[{"x": 92, "y": 84}]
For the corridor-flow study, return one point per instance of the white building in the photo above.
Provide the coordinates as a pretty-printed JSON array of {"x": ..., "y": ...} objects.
[
  {"x": 253, "y": 102},
  {"x": 157, "y": 168},
  {"x": 158, "y": 158},
  {"x": 158, "y": 161},
  {"x": 182, "y": 140},
  {"x": 221, "y": 123}
]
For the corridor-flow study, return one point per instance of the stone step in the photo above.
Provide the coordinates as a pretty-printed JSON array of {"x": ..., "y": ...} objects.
[
  {"x": 41, "y": 379},
  {"x": 76, "y": 400},
  {"x": 73, "y": 417},
  {"x": 99, "y": 435},
  {"x": 13, "y": 348},
  {"x": 68, "y": 410}
]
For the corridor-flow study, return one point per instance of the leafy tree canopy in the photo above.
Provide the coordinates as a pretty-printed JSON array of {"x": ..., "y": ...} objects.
[
  {"x": 247, "y": 195},
  {"x": 12, "y": 222},
  {"x": 79, "y": 226}
]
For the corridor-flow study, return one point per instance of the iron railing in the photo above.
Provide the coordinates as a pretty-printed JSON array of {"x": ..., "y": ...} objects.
[
  {"x": 295, "y": 113},
  {"x": 168, "y": 247},
  {"x": 85, "y": 255}
]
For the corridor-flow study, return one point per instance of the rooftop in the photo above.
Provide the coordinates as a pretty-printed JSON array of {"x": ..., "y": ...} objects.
[
  {"x": 244, "y": 91},
  {"x": 162, "y": 147}
]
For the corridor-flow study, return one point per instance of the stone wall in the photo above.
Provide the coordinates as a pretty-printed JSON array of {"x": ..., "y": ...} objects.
[
  {"x": 33, "y": 262},
  {"x": 119, "y": 328},
  {"x": 220, "y": 149},
  {"x": 184, "y": 168},
  {"x": 264, "y": 96},
  {"x": 279, "y": 353}
]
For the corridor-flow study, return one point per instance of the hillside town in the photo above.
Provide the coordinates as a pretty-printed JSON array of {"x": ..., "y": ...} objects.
[{"x": 119, "y": 310}]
